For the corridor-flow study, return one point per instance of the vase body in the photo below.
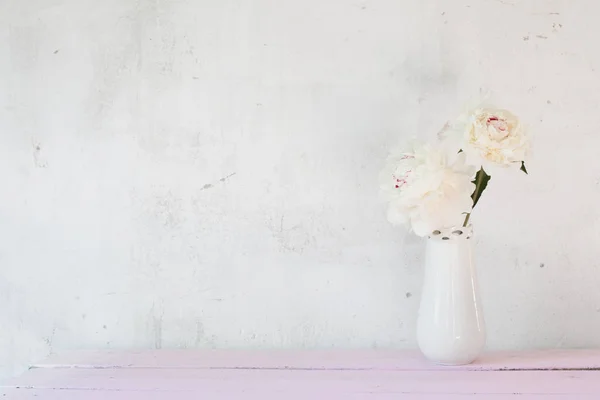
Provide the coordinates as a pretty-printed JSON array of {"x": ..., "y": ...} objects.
[{"x": 450, "y": 328}]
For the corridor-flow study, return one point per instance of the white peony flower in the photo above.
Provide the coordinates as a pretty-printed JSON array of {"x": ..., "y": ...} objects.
[
  {"x": 489, "y": 137},
  {"x": 425, "y": 190}
]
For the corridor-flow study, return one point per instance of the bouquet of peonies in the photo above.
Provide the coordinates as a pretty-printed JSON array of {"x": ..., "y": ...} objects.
[{"x": 434, "y": 186}]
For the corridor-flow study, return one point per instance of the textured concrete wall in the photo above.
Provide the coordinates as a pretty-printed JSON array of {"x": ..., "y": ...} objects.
[{"x": 178, "y": 173}]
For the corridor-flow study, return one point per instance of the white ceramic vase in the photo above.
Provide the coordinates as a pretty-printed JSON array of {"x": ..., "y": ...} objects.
[{"x": 451, "y": 328}]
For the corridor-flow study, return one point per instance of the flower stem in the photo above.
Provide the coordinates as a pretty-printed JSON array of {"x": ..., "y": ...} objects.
[
  {"x": 467, "y": 220},
  {"x": 478, "y": 187}
]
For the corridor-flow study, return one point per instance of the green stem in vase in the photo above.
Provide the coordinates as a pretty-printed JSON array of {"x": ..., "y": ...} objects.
[
  {"x": 481, "y": 182},
  {"x": 467, "y": 220}
]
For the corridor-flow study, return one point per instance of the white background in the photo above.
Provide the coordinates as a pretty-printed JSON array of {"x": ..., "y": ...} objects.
[{"x": 179, "y": 173}]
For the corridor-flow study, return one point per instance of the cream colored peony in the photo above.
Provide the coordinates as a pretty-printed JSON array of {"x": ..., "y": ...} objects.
[
  {"x": 489, "y": 137},
  {"x": 426, "y": 190}
]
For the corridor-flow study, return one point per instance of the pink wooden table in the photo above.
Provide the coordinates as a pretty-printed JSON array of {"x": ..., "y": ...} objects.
[{"x": 314, "y": 375}]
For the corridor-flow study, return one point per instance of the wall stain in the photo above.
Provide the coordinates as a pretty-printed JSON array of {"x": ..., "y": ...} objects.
[
  {"x": 212, "y": 185},
  {"x": 158, "y": 322},
  {"x": 50, "y": 338},
  {"x": 199, "y": 333},
  {"x": 227, "y": 177},
  {"x": 169, "y": 209},
  {"x": 294, "y": 239},
  {"x": 38, "y": 160}
]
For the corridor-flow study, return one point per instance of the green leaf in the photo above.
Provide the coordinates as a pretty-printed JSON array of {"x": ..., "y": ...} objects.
[
  {"x": 481, "y": 182},
  {"x": 460, "y": 151},
  {"x": 523, "y": 167}
]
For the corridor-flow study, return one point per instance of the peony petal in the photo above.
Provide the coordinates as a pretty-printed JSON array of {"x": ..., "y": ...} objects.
[
  {"x": 501, "y": 142},
  {"x": 396, "y": 215},
  {"x": 421, "y": 227},
  {"x": 438, "y": 192}
]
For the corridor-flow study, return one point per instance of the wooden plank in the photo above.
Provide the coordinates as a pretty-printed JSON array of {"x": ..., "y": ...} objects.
[
  {"x": 316, "y": 359},
  {"x": 353, "y": 375},
  {"x": 315, "y": 381},
  {"x": 38, "y": 394}
]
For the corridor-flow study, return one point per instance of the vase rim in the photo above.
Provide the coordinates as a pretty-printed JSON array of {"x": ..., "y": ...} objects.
[{"x": 452, "y": 233}]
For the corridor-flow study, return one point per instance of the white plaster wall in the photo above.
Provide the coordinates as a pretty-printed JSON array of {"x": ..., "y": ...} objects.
[{"x": 179, "y": 173}]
